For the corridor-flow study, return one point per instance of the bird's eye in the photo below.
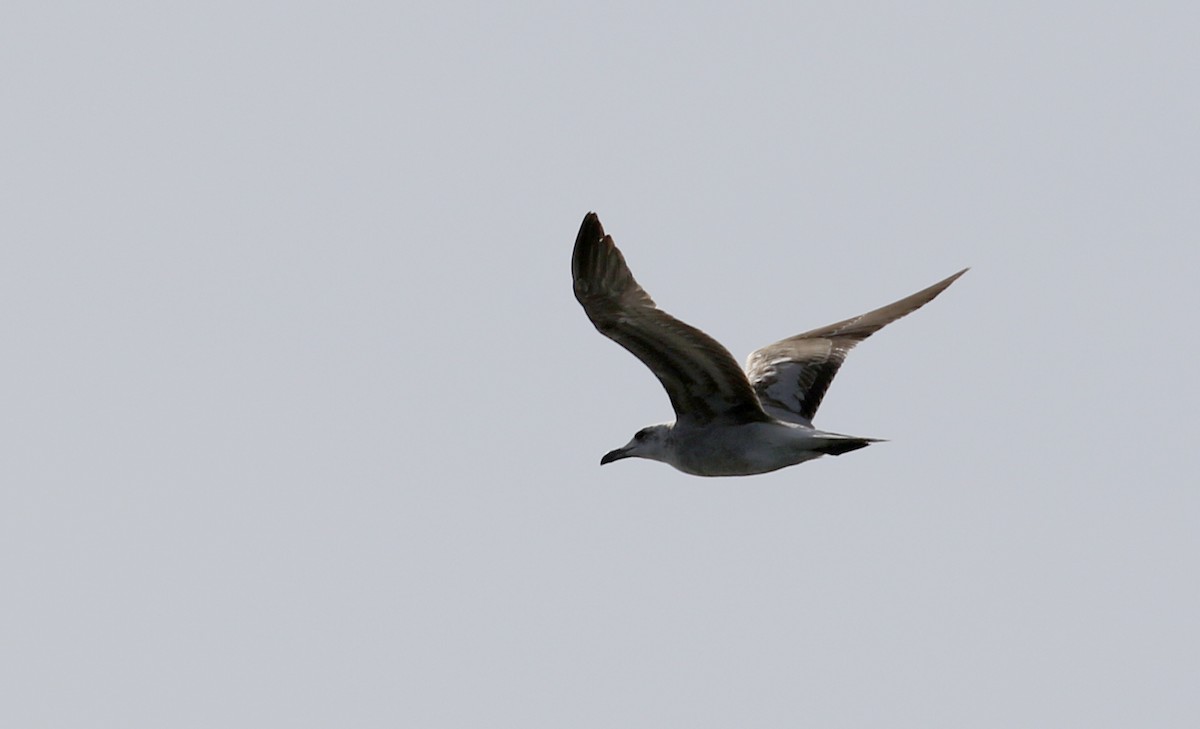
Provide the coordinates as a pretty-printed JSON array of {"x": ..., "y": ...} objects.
[{"x": 640, "y": 435}]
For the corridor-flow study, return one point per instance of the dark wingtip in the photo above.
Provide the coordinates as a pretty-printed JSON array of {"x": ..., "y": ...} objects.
[
  {"x": 935, "y": 290},
  {"x": 588, "y": 258},
  {"x": 591, "y": 228},
  {"x": 909, "y": 304},
  {"x": 944, "y": 284},
  {"x": 591, "y": 232}
]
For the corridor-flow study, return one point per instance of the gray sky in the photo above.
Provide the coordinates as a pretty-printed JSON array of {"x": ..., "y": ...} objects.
[{"x": 302, "y": 421}]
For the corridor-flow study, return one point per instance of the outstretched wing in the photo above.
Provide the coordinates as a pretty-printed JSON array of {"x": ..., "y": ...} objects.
[
  {"x": 700, "y": 376},
  {"x": 791, "y": 376}
]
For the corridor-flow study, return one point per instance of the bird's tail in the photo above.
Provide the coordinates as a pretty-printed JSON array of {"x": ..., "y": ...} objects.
[{"x": 835, "y": 444}]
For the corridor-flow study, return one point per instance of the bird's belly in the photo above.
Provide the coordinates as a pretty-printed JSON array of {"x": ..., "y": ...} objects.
[{"x": 743, "y": 450}]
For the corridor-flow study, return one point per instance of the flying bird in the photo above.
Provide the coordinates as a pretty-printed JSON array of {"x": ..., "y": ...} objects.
[{"x": 727, "y": 422}]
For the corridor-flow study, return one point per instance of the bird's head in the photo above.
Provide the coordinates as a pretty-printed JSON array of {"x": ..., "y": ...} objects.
[{"x": 649, "y": 442}]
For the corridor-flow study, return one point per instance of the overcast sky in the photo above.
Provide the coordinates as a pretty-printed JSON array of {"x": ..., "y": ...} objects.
[{"x": 302, "y": 422}]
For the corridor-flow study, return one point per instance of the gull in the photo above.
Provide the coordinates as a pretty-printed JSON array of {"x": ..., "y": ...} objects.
[{"x": 727, "y": 422}]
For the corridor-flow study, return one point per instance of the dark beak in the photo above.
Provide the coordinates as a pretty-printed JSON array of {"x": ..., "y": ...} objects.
[{"x": 616, "y": 455}]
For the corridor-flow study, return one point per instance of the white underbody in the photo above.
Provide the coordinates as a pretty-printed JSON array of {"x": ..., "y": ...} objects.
[{"x": 743, "y": 450}]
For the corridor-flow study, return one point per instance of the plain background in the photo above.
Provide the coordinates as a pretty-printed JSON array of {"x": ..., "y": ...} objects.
[{"x": 301, "y": 421}]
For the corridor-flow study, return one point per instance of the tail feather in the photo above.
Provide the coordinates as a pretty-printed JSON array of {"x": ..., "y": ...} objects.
[{"x": 844, "y": 444}]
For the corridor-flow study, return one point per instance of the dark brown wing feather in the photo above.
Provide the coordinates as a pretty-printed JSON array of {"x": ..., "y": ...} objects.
[
  {"x": 700, "y": 376},
  {"x": 791, "y": 376}
]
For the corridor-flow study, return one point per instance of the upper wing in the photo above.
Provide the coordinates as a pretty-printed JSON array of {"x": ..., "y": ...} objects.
[
  {"x": 701, "y": 377},
  {"x": 792, "y": 375}
]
